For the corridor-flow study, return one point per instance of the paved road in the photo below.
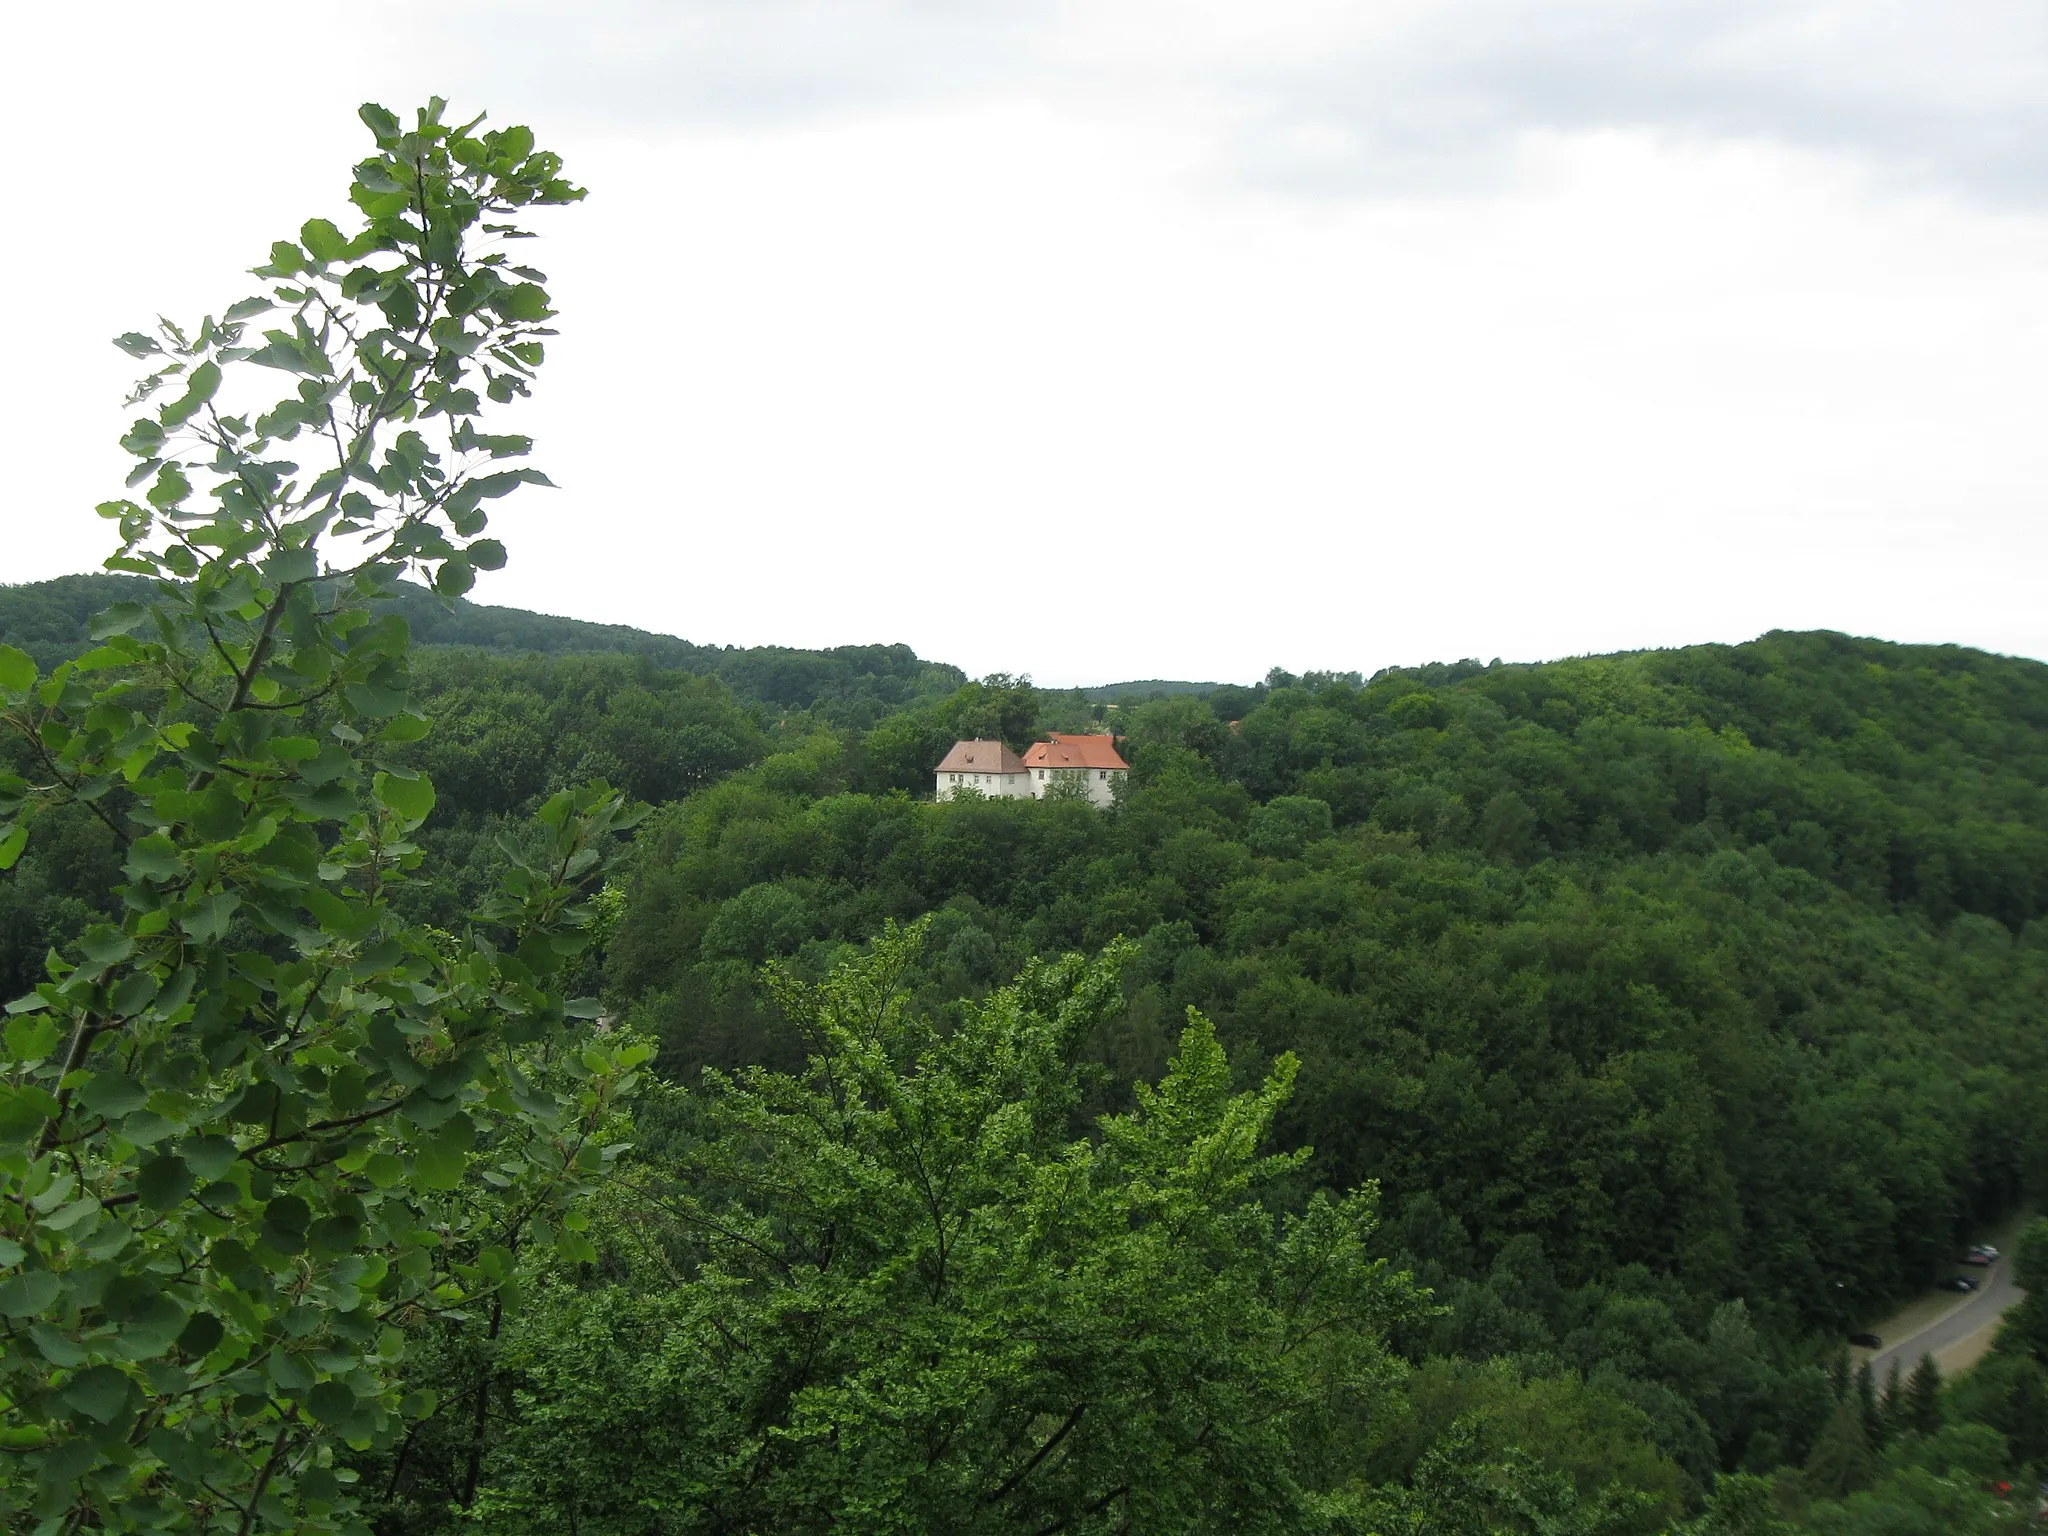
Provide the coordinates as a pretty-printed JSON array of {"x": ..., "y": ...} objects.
[{"x": 1982, "y": 1310}]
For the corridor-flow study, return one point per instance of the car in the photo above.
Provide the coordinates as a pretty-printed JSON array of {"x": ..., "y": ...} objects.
[
  {"x": 1957, "y": 1283},
  {"x": 1866, "y": 1341},
  {"x": 1986, "y": 1250},
  {"x": 1978, "y": 1257}
]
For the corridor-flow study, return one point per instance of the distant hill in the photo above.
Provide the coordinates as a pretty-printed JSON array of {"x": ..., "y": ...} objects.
[
  {"x": 50, "y": 619},
  {"x": 1144, "y": 688}
]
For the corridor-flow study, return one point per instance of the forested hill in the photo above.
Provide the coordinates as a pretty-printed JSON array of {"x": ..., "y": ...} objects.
[
  {"x": 49, "y": 620},
  {"x": 1686, "y": 1007}
]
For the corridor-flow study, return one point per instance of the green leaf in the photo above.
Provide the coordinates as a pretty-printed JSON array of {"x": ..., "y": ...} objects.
[
  {"x": 144, "y": 439},
  {"x": 23, "y": 1109},
  {"x": 31, "y": 1039},
  {"x": 106, "y": 943},
  {"x": 13, "y": 838},
  {"x": 454, "y": 577},
  {"x": 486, "y": 555},
  {"x": 375, "y": 700},
  {"x": 133, "y": 994},
  {"x": 210, "y": 1156},
  {"x": 411, "y": 798},
  {"x": 26, "y": 1294},
  {"x": 292, "y": 355},
  {"x": 381, "y": 121},
  {"x": 439, "y": 1163},
  {"x": 153, "y": 858},
  {"x": 207, "y": 922},
  {"x": 118, "y": 619},
  {"x": 291, "y": 565},
  {"x": 523, "y": 301},
  {"x": 17, "y": 672},
  {"x": 199, "y": 388},
  {"x": 285, "y": 1220},
  {"x": 202, "y": 1334},
  {"x": 74, "y": 1213},
  {"x": 330, "y": 1402},
  {"x": 55, "y": 1347},
  {"x": 334, "y": 1235},
  {"x": 170, "y": 489},
  {"x": 324, "y": 241},
  {"x": 163, "y": 1182},
  {"x": 135, "y": 344},
  {"x": 99, "y": 1392}
]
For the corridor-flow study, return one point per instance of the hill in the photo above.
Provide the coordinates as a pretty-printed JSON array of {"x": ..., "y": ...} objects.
[
  {"x": 1145, "y": 688},
  {"x": 49, "y": 620},
  {"x": 1683, "y": 1007}
]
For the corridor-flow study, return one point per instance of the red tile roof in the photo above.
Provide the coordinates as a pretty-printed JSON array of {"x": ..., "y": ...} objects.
[
  {"x": 1074, "y": 752},
  {"x": 980, "y": 757}
]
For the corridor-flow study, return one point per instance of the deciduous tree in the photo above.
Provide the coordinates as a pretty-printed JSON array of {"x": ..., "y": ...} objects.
[{"x": 257, "y": 1127}]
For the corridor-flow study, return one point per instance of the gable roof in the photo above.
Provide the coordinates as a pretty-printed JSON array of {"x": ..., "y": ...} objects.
[
  {"x": 980, "y": 757},
  {"x": 1074, "y": 752}
]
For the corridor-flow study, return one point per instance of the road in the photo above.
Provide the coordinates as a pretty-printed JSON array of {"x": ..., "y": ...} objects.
[{"x": 1951, "y": 1338}]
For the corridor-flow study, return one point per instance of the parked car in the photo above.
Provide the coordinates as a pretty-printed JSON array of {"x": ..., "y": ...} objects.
[
  {"x": 1866, "y": 1341},
  {"x": 1957, "y": 1283},
  {"x": 1986, "y": 1250},
  {"x": 1979, "y": 1257}
]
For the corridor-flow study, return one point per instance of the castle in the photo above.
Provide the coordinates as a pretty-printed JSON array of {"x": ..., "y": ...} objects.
[{"x": 992, "y": 768}]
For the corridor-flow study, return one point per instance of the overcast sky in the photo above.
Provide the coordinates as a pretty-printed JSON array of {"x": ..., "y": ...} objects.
[{"x": 1127, "y": 338}]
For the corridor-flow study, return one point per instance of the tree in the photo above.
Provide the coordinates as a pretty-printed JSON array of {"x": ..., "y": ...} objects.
[
  {"x": 1891, "y": 1403},
  {"x": 1841, "y": 1460},
  {"x": 2026, "y": 1325},
  {"x": 1869, "y": 1405},
  {"x": 890, "y": 1293},
  {"x": 1923, "y": 1398},
  {"x": 1067, "y": 784},
  {"x": 238, "y": 1121},
  {"x": 1286, "y": 824},
  {"x": 1742, "y": 1505},
  {"x": 2009, "y": 1392},
  {"x": 1460, "y": 1488}
]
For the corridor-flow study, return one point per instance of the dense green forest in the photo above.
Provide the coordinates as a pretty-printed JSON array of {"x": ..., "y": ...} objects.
[{"x": 1683, "y": 1007}]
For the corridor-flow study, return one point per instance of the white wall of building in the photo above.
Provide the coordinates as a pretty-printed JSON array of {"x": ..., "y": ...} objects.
[
  {"x": 1101, "y": 782},
  {"x": 997, "y": 786}
]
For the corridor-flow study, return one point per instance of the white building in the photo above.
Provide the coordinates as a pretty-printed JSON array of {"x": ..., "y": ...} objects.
[
  {"x": 987, "y": 766},
  {"x": 1091, "y": 762}
]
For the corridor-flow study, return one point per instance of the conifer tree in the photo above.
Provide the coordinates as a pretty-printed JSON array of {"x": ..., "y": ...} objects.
[
  {"x": 1842, "y": 1461},
  {"x": 1867, "y": 1406},
  {"x": 1922, "y": 1408},
  {"x": 1891, "y": 1404},
  {"x": 2026, "y": 1325}
]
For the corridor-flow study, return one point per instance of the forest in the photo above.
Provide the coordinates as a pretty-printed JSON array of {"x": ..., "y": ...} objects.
[
  {"x": 470, "y": 1070},
  {"x": 1681, "y": 1008}
]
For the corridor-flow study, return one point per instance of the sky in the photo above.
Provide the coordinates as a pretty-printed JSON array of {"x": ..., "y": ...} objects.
[{"x": 1107, "y": 339}]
